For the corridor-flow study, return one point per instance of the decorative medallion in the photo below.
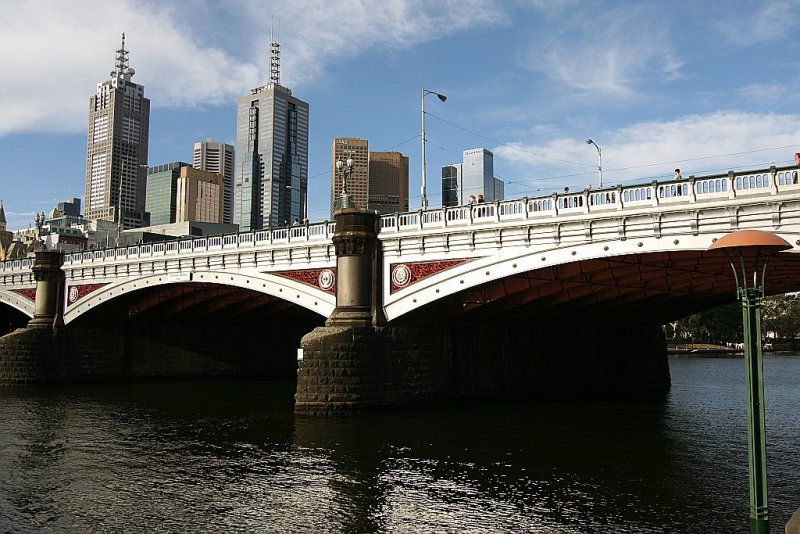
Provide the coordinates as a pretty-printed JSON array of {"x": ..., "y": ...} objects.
[
  {"x": 405, "y": 274},
  {"x": 401, "y": 275},
  {"x": 76, "y": 293},
  {"x": 29, "y": 294},
  {"x": 324, "y": 279}
]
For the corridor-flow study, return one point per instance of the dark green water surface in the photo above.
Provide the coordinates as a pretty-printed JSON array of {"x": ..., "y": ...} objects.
[{"x": 232, "y": 456}]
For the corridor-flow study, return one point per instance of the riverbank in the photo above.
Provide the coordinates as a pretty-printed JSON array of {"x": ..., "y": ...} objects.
[{"x": 700, "y": 348}]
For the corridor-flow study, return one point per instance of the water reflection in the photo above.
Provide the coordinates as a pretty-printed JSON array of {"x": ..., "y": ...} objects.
[{"x": 231, "y": 456}]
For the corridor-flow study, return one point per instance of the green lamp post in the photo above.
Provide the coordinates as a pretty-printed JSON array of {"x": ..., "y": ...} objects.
[{"x": 748, "y": 252}]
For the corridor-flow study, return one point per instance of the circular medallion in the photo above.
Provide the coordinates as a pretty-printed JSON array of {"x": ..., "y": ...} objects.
[
  {"x": 401, "y": 275},
  {"x": 326, "y": 279},
  {"x": 73, "y": 294}
]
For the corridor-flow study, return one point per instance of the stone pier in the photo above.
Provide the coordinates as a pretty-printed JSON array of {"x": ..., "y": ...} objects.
[{"x": 358, "y": 361}]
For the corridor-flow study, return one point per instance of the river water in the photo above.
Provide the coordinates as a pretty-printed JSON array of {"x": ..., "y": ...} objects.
[{"x": 232, "y": 456}]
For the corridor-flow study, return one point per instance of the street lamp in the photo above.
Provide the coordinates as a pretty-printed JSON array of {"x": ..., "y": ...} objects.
[
  {"x": 39, "y": 220},
  {"x": 599, "y": 159},
  {"x": 748, "y": 252},
  {"x": 346, "y": 169},
  {"x": 423, "y": 194}
]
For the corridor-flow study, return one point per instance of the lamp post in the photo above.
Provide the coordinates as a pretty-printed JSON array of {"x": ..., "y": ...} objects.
[
  {"x": 346, "y": 169},
  {"x": 748, "y": 252},
  {"x": 39, "y": 221},
  {"x": 423, "y": 183},
  {"x": 599, "y": 160}
]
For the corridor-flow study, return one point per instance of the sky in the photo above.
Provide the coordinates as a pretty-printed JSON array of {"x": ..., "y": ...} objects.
[{"x": 705, "y": 86}]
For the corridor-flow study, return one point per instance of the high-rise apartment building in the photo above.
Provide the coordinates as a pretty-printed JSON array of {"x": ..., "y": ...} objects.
[
  {"x": 271, "y": 177},
  {"x": 388, "y": 182},
  {"x": 357, "y": 186},
  {"x": 116, "y": 154},
  {"x": 474, "y": 176},
  {"x": 217, "y": 157}
]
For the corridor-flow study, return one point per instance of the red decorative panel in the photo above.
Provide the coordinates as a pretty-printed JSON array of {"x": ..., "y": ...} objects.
[
  {"x": 324, "y": 279},
  {"x": 76, "y": 293},
  {"x": 404, "y": 274},
  {"x": 29, "y": 294}
]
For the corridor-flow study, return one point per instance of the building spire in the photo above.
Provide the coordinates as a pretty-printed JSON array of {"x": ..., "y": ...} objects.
[
  {"x": 3, "y": 221},
  {"x": 275, "y": 57},
  {"x": 121, "y": 64}
]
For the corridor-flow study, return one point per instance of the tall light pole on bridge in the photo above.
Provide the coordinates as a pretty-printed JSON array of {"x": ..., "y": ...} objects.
[
  {"x": 748, "y": 252},
  {"x": 599, "y": 159},
  {"x": 423, "y": 183}
]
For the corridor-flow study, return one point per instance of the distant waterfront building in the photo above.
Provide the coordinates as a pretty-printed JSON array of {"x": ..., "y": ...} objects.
[
  {"x": 388, "y": 182},
  {"x": 119, "y": 121},
  {"x": 473, "y": 176},
  {"x": 213, "y": 156},
  {"x": 357, "y": 187},
  {"x": 271, "y": 177}
]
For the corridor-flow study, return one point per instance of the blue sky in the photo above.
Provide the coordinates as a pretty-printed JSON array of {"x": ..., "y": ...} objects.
[{"x": 704, "y": 86}]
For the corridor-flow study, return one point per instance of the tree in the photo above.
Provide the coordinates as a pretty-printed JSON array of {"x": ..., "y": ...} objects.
[{"x": 781, "y": 314}]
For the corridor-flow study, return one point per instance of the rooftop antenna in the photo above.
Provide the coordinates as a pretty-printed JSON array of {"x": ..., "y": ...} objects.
[
  {"x": 275, "y": 57},
  {"x": 121, "y": 64}
]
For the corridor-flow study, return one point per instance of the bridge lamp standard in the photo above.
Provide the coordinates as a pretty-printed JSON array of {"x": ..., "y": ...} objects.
[
  {"x": 345, "y": 168},
  {"x": 423, "y": 183},
  {"x": 39, "y": 221},
  {"x": 748, "y": 252},
  {"x": 599, "y": 160}
]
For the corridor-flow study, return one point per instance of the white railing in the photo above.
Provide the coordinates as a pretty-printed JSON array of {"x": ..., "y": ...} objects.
[{"x": 772, "y": 181}]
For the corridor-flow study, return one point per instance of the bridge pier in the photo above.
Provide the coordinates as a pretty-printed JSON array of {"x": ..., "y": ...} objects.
[
  {"x": 50, "y": 283},
  {"x": 357, "y": 361}
]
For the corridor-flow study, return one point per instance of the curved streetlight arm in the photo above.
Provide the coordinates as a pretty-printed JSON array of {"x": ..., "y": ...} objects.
[{"x": 423, "y": 182}]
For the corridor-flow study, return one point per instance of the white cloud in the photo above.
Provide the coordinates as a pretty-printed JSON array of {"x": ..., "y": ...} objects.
[
  {"x": 607, "y": 53},
  {"x": 698, "y": 144},
  {"x": 766, "y": 22},
  {"x": 61, "y": 50}
]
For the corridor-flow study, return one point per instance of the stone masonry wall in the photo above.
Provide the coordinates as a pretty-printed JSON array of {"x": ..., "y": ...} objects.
[
  {"x": 348, "y": 368},
  {"x": 74, "y": 354}
]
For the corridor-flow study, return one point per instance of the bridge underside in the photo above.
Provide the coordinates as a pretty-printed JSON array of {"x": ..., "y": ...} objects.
[{"x": 648, "y": 288}]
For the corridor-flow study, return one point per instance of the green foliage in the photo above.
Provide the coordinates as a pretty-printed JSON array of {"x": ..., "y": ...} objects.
[{"x": 779, "y": 314}]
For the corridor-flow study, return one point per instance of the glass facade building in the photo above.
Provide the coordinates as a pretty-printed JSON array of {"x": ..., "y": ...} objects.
[
  {"x": 271, "y": 174},
  {"x": 473, "y": 176}
]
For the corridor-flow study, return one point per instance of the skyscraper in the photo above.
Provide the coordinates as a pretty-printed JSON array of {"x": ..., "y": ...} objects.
[
  {"x": 473, "y": 176},
  {"x": 357, "y": 187},
  {"x": 217, "y": 157},
  {"x": 272, "y": 145},
  {"x": 116, "y": 153}
]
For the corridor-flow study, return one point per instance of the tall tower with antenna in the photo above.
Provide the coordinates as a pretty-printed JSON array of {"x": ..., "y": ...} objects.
[
  {"x": 116, "y": 148},
  {"x": 271, "y": 179}
]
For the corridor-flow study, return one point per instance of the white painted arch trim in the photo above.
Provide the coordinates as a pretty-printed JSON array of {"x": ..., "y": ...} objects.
[{"x": 313, "y": 299}]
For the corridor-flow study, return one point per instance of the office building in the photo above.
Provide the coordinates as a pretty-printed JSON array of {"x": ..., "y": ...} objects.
[
  {"x": 474, "y": 176},
  {"x": 387, "y": 185},
  {"x": 213, "y": 156},
  {"x": 177, "y": 192},
  {"x": 378, "y": 181},
  {"x": 271, "y": 176},
  {"x": 357, "y": 186},
  {"x": 162, "y": 192},
  {"x": 199, "y": 196},
  {"x": 119, "y": 120}
]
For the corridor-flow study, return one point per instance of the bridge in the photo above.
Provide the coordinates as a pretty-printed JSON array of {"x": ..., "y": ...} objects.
[{"x": 621, "y": 255}]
